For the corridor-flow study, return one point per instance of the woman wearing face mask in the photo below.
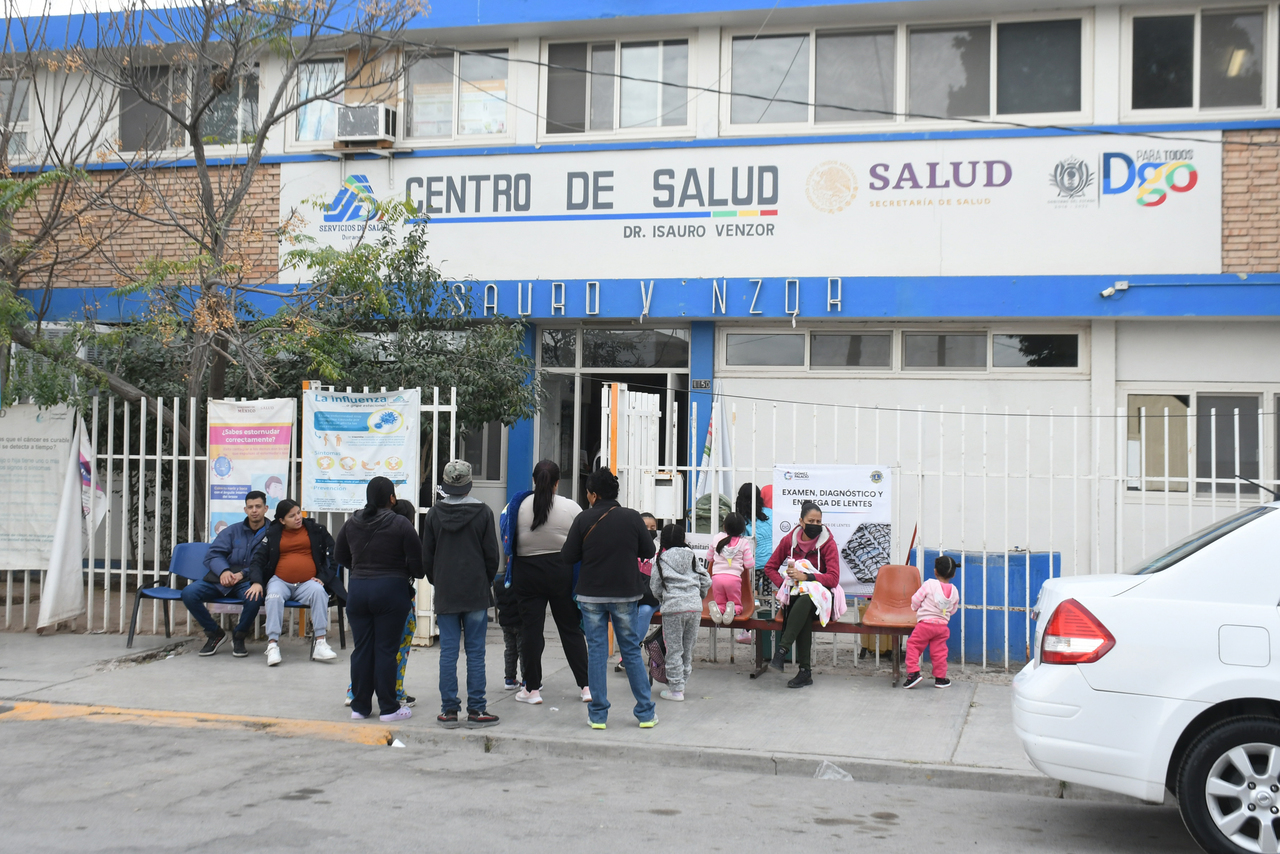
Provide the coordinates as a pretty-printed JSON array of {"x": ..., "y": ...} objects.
[{"x": 811, "y": 541}]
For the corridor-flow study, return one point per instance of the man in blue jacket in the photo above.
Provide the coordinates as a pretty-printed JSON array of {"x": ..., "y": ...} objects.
[{"x": 228, "y": 562}]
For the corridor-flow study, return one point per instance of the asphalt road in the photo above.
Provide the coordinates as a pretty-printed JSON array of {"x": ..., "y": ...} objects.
[{"x": 85, "y": 786}]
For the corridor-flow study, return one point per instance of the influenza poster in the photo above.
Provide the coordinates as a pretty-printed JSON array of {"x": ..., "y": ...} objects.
[
  {"x": 857, "y": 507},
  {"x": 249, "y": 449},
  {"x": 35, "y": 445},
  {"x": 349, "y": 438}
]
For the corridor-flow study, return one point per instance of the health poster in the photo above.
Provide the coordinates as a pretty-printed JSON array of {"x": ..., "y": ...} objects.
[
  {"x": 349, "y": 438},
  {"x": 857, "y": 508},
  {"x": 249, "y": 446},
  {"x": 35, "y": 444}
]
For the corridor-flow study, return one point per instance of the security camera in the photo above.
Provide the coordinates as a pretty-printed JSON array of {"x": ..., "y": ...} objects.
[{"x": 1108, "y": 292}]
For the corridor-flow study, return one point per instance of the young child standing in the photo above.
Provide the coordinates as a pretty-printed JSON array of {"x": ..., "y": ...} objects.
[
  {"x": 730, "y": 555},
  {"x": 679, "y": 585},
  {"x": 934, "y": 603},
  {"x": 512, "y": 628}
]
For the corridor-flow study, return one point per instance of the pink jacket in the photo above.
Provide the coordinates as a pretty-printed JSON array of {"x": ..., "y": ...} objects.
[
  {"x": 738, "y": 555},
  {"x": 935, "y": 601}
]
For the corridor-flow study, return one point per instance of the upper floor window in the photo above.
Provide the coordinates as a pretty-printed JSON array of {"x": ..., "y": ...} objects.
[
  {"x": 145, "y": 104},
  {"x": 232, "y": 117},
  {"x": 322, "y": 79},
  {"x": 15, "y": 113},
  {"x": 1166, "y": 64},
  {"x": 616, "y": 85},
  {"x": 457, "y": 94}
]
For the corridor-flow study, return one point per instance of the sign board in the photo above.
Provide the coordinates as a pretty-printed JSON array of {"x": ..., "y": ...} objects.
[
  {"x": 250, "y": 443},
  {"x": 349, "y": 438},
  {"x": 857, "y": 507},
  {"x": 35, "y": 445},
  {"x": 1046, "y": 205}
]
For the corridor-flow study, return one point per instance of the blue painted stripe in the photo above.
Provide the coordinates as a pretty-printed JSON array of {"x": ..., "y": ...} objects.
[{"x": 565, "y": 217}]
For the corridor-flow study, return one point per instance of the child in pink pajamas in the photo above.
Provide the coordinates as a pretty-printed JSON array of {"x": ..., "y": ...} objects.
[
  {"x": 730, "y": 555},
  {"x": 934, "y": 603}
]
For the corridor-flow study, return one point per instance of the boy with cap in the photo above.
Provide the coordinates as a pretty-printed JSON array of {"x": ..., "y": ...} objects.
[{"x": 460, "y": 557}]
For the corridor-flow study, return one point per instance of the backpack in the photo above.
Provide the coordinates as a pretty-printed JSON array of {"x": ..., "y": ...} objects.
[
  {"x": 507, "y": 524},
  {"x": 656, "y": 649}
]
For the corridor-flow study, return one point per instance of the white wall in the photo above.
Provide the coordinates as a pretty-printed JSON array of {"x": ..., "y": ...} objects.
[{"x": 1198, "y": 351}]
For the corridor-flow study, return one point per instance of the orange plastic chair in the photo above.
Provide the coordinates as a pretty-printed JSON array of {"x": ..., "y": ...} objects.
[
  {"x": 748, "y": 600},
  {"x": 891, "y": 598}
]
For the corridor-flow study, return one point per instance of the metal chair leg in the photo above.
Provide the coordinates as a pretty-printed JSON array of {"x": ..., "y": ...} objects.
[
  {"x": 165, "y": 604},
  {"x": 137, "y": 603}
]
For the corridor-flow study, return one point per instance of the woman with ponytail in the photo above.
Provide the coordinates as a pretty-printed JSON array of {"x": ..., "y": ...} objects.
[
  {"x": 540, "y": 578},
  {"x": 385, "y": 555}
]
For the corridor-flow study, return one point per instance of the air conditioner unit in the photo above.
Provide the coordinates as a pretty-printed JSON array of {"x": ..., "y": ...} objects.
[{"x": 366, "y": 123}]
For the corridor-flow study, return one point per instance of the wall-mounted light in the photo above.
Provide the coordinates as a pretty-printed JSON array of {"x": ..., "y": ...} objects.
[{"x": 1111, "y": 291}]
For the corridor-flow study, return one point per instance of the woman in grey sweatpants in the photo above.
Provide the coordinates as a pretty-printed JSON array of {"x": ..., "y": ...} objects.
[{"x": 679, "y": 585}]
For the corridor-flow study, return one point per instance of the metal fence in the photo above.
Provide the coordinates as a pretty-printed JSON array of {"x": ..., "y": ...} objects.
[{"x": 152, "y": 463}]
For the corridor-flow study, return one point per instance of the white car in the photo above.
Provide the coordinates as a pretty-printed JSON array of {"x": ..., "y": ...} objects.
[{"x": 1168, "y": 677}]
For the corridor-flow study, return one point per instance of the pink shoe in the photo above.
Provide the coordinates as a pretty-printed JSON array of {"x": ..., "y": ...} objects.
[
  {"x": 401, "y": 714},
  {"x": 533, "y": 698},
  {"x": 743, "y": 637},
  {"x": 356, "y": 716},
  {"x": 586, "y": 695}
]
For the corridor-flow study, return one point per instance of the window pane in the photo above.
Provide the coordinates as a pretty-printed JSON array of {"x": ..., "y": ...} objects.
[
  {"x": 950, "y": 72},
  {"x": 641, "y": 102},
  {"x": 1038, "y": 67},
  {"x": 319, "y": 119},
  {"x": 1162, "y": 60},
  {"x": 850, "y": 351},
  {"x": 482, "y": 92},
  {"x": 768, "y": 68},
  {"x": 431, "y": 95},
  {"x": 1217, "y": 425},
  {"x": 144, "y": 125},
  {"x": 602, "y": 80},
  {"x": 558, "y": 348},
  {"x": 1231, "y": 59},
  {"x": 648, "y": 348},
  {"x": 493, "y": 451},
  {"x": 14, "y": 100},
  {"x": 757, "y": 348},
  {"x": 555, "y": 427},
  {"x": 854, "y": 70},
  {"x": 567, "y": 88},
  {"x": 675, "y": 70},
  {"x": 1147, "y": 420},
  {"x": 944, "y": 351},
  {"x": 232, "y": 117},
  {"x": 1035, "y": 351},
  {"x": 249, "y": 106},
  {"x": 473, "y": 449}
]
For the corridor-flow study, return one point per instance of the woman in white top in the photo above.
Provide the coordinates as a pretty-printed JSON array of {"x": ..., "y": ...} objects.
[{"x": 539, "y": 577}]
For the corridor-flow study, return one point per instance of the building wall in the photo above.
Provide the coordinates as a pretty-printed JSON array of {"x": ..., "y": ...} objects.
[{"x": 1250, "y": 179}]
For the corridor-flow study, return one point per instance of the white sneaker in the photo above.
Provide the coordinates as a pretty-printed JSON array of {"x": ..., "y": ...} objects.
[
  {"x": 322, "y": 651},
  {"x": 533, "y": 698},
  {"x": 729, "y": 610},
  {"x": 674, "y": 696},
  {"x": 714, "y": 610},
  {"x": 273, "y": 654},
  {"x": 586, "y": 695}
]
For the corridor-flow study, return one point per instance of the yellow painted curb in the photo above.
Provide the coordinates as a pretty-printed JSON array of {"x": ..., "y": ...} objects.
[{"x": 355, "y": 732}]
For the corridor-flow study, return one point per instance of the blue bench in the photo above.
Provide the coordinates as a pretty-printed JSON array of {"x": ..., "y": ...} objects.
[{"x": 188, "y": 562}]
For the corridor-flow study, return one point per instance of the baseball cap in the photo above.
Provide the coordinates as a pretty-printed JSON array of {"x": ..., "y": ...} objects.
[{"x": 457, "y": 478}]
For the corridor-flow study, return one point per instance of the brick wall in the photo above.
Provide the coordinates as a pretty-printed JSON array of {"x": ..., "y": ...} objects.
[
  {"x": 122, "y": 244},
  {"x": 1250, "y": 207}
]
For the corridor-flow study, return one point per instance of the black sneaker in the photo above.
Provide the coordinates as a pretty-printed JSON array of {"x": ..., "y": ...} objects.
[
  {"x": 237, "y": 645},
  {"x": 212, "y": 644},
  {"x": 942, "y": 682},
  {"x": 407, "y": 700},
  {"x": 479, "y": 720},
  {"x": 448, "y": 720},
  {"x": 912, "y": 680},
  {"x": 779, "y": 660},
  {"x": 802, "y": 678}
]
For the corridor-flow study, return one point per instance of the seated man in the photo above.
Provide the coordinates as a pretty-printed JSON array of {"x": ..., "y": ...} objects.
[{"x": 228, "y": 562}]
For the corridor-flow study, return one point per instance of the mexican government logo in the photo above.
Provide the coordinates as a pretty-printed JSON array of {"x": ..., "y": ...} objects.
[
  {"x": 831, "y": 186},
  {"x": 354, "y": 202},
  {"x": 1072, "y": 177}
]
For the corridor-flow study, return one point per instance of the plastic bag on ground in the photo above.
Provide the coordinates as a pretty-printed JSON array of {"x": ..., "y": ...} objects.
[{"x": 828, "y": 771}]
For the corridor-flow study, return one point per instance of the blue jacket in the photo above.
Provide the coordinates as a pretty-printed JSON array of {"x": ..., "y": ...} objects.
[{"x": 232, "y": 549}]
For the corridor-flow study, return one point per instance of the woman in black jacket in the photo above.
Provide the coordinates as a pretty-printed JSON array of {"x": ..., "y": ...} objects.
[
  {"x": 384, "y": 554},
  {"x": 294, "y": 561}
]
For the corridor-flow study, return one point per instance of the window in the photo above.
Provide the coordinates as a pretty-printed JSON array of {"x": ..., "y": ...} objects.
[
  {"x": 606, "y": 86},
  {"x": 475, "y": 82},
  {"x": 1229, "y": 65},
  {"x": 232, "y": 118},
  {"x": 1226, "y": 443},
  {"x": 318, "y": 120},
  {"x": 851, "y": 351},
  {"x": 949, "y": 73},
  {"x": 1035, "y": 351},
  {"x": 15, "y": 113},
  {"x": 1156, "y": 422},
  {"x": 965, "y": 350},
  {"x": 559, "y": 347},
  {"x": 1038, "y": 67},
  {"x": 769, "y": 76},
  {"x": 764, "y": 348},
  {"x": 854, "y": 76},
  {"x": 144, "y": 122},
  {"x": 625, "y": 348},
  {"x": 482, "y": 447}
]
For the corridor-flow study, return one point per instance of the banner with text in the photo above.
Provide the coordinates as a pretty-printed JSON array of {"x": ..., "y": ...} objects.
[
  {"x": 35, "y": 445},
  {"x": 857, "y": 507},
  {"x": 349, "y": 438},
  {"x": 249, "y": 449},
  {"x": 1060, "y": 205}
]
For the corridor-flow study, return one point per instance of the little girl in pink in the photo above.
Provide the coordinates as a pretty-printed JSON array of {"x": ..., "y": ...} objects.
[
  {"x": 730, "y": 555},
  {"x": 934, "y": 603}
]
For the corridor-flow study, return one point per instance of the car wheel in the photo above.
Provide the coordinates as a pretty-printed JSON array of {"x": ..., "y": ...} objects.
[{"x": 1229, "y": 787}]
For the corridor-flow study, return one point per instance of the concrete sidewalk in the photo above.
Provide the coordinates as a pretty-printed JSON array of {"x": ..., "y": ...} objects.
[{"x": 961, "y": 737}]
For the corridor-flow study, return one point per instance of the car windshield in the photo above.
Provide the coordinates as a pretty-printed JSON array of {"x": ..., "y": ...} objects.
[{"x": 1190, "y": 545}]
